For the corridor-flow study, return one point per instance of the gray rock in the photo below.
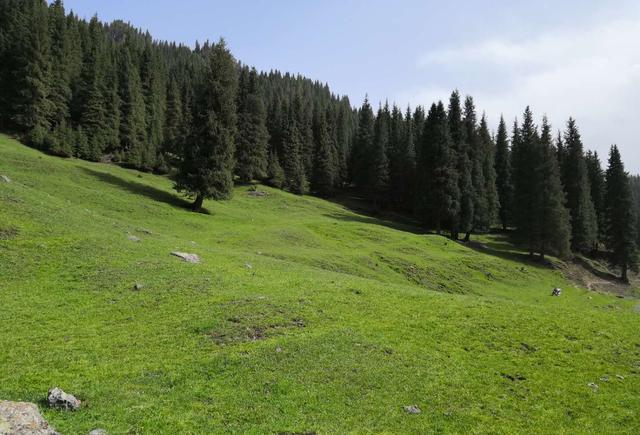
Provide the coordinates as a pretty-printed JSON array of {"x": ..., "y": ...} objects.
[
  {"x": 593, "y": 386},
  {"x": 20, "y": 418},
  {"x": 98, "y": 432},
  {"x": 5, "y": 179},
  {"x": 189, "y": 258},
  {"x": 59, "y": 399},
  {"x": 133, "y": 238},
  {"x": 412, "y": 409},
  {"x": 257, "y": 193},
  {"x": 556, "y": 292},
  {"x": 138, "y": 287}
]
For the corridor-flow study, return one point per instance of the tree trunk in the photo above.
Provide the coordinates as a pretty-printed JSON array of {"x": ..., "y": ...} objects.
[
  {"x": 624, "y": 276},
  {"x": 197, "y": 204},
  {"x": 467, "y": 236}
]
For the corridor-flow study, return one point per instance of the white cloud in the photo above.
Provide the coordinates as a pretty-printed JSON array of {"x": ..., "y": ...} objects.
[{"x": 592, "y": 74}]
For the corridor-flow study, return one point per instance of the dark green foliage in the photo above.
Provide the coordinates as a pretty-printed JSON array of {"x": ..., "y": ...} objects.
[
  {"x": 363, "y": 146},
  {"x": 402, "y": 159},
  {"x": 438, "y": 194},
  {"x": 552, "y": 227},
  {"x": 576, "y": 184},
  {"x": 253, "y": 136},
  {"x": 378, "y": 174},
  {"x": 275, "y": 173},
  {"x": 133, "y": 139},
  {"x": 295, "y": 177},
  {"x": 635, "y": 190},
  {"x": 464, "y": 220},
  {"x": 504, "y": 186},
  {"x": 207, "y": 167},
  {"x": 326, "y": 169},
  {"x": 620, "y": 219},
  {"x": 596, "y": 182}
]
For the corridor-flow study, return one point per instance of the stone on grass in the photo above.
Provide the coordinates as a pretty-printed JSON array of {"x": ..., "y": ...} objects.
[
  {"x": 189, "y": 258},
  {"x": 593, "y": 386},
  {"x": 5, "y": 179},
  {"x": 98, "y": 432},
  {"x": 556, "y": 292},
  {"x": 412, "y": 409},
  {"x": 257, "y": 193},
  {"x": 133, "y": 238},
  {"x": 138, "y": 287},
  {"x": 22, "y": 418},
  {"x": 59, "y": 399}
]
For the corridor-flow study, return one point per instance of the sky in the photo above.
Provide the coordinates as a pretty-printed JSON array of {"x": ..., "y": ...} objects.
[{"x": 562, "y": 58}]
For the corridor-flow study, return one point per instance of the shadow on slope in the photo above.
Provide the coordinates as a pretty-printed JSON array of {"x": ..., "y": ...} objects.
[{"x": 142, "y": 189}]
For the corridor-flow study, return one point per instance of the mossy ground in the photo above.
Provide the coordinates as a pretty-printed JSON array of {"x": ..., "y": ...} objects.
[{"x": 302, "y": 317}]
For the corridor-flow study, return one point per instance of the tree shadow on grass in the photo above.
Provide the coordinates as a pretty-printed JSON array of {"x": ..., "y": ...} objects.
[
  {"x": 502, "y": 246},
  {"x": 143, "y": 189}
]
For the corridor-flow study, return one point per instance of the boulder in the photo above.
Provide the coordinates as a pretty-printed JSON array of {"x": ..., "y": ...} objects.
[
  {"x": 21, "y": 418},
  {"x": 133, "y": 238},
  {"x": 59, "y": 399},
  {"x": 189, "y": 258},
  {"x": 98, "y": 432},
  {"x": 412, "y": 409},
  {"x": 5, "y": 179}
]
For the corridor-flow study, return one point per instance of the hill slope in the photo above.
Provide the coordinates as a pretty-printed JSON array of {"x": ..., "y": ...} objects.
[{"x": 301, "y": 317}]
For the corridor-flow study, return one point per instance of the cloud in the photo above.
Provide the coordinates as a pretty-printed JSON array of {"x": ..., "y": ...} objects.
[{"x": 592, "y": 74}]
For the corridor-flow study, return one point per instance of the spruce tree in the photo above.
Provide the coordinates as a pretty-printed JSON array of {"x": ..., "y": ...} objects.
[
  {"x": 133, "y": 138},
  {"x": 503, "y": 174},
  {"x": 524, "y": 159},
  {"x": 438, "y": 193},
  {"x": 552, "y": 226},
  {"x": 492, "y": 200},
  {"x": 464, "y": 220},
  {"x": 482, "y": 210},
  {"x": 363, "y": 146},
  {"x": 253, "y": 136},
  {"x": 576, "y": 184},
  {"x": 325, "y": 165},
  {"x": 275, "y": 173},
  {"x": 173, "y": 134},
  {"x": 207, "y": 167},
  {"x": 596, "y": 181},
  {"x": 378, "y": 177},
  {"x": 294, "y": 171},
  {"x": 619, "y": 216}
]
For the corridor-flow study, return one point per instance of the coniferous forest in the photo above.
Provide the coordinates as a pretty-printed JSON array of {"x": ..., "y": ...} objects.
[{"x": 110, "y": 92}]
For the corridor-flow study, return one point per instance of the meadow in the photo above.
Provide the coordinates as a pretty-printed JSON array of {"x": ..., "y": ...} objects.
[{"x": 303, "y": 316}]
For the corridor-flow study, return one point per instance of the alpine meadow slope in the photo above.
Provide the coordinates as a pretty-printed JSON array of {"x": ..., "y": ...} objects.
[{"x": 302, "y": 317}]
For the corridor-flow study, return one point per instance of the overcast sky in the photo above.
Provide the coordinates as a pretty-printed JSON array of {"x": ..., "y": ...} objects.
[{"x": 563, "y": 58}]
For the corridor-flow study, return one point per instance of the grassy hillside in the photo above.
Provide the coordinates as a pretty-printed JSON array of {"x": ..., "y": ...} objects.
[{"x": 301, "y": 317}]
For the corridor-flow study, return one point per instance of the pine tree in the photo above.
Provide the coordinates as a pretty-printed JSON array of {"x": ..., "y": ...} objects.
[
  {"x": 553, "y": 227},
  {"x": 464, "y": 220},
  {"x": 576, "y": 185},
  {"x": 253, "y": 136},
  {"x": 596, "y": 181},
  {"x": 503, "y": 174},
  {"x": 363, "y": 146},
  {"x": 378, "y": 176},
  {"x": 275, "y": 173},
  {"x": 525, "y": 143},
  {"x": 207, "y": 167},
  {"x": 173, "y": 134},
  {"x": 133, "y": 138},
  {"x": 325, "y": 165},
  {"x": 482, "y": 210},
  {"x": 619, "y": 216},
  {"x": 488, "y": 148},
  {"x": 295, "y": 177},
  {"x": 438, "y": 193}
]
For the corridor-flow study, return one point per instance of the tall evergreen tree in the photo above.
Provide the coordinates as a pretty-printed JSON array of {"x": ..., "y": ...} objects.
[
  {"x": 464, "y": 220},
  {"x": 503, "y": 174},
  {"x": 207, "y": 167},
  {"x": 133, "y": 138},
  {"x": 325, "y": 165},
  {"x": 438, "y": 193},
  {"x": 552, "y": 226},
  {"x": 596, "y": 181},
  {"x": 619, "y": 216},
  {"x": 378, "y": 176},
  {"x": 488, "y": 149},
  {"x": 576, "y": 184},
  {"x": 363, "y": 145},
  {"x": 253, "y": 136}
]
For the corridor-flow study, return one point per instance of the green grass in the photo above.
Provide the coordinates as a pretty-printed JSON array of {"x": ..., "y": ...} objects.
[{"x": 302, "y": 316}]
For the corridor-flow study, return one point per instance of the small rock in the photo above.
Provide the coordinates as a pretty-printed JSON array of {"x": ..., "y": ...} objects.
[
  {"x": 278, "y": 349},
  {"x": 98, "y": 432},
  {"x": 604, "y": 378},
  {"x": 620, "y": 377},
  {"x": 23, "y": 418},
  {"x": 257, "y": 193},
  {"x": 189, "y": 258},
  {"x": 133, "y": 238},
  {"x": 412, "y": 409},
  {"x": 193, "y": 243},
  {"x": 146, "y": 231},
  {"x": 248, "y": 266},
  {"x": 59, "y": 399},
  {"x": 138, "y": 287},
  {"x": 593, "y": 386},
  {"x": 556, "y": 292},
  {"x": 5, "y": 179}
]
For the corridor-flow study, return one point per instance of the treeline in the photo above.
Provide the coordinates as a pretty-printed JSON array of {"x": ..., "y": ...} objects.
[{"x": 102, "y": 91}]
